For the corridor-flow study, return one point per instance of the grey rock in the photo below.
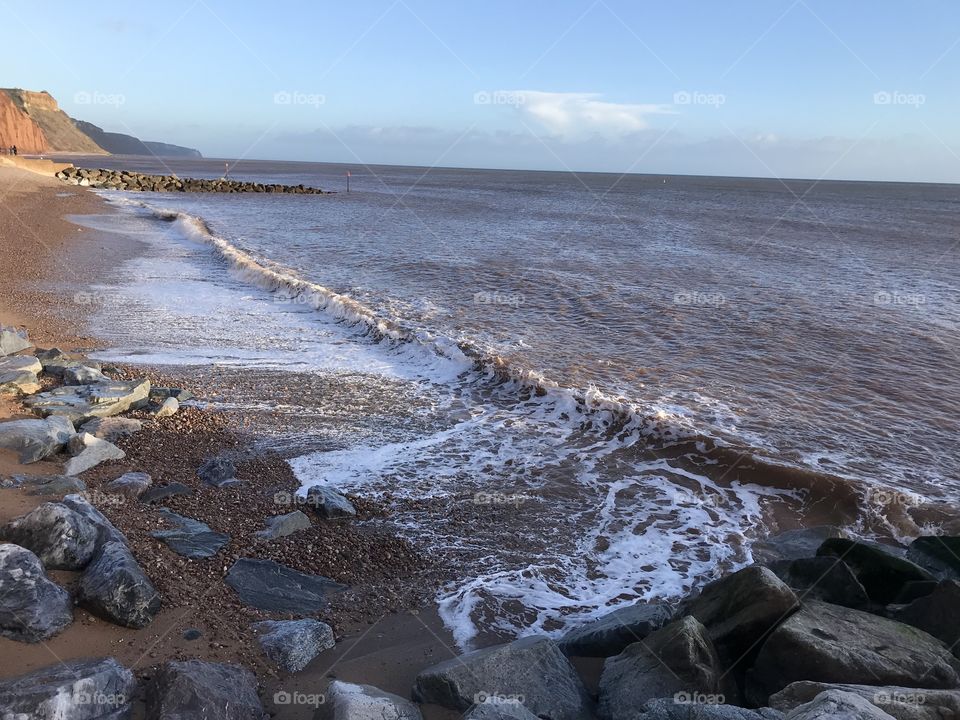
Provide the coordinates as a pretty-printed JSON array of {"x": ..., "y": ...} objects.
[
  {"x": 937, "y": 614},
  {"x": 678, "y": 708},
  {"x": 106, "y": 532},
  {"x": 18, "y": 382},
  {"x": 610, "y": 634},
  {"x": 35, "y": 439},
  {"x": 56, "y": 362},
  {"x": 83, "y": 375},
  {"x": 197, "y": 689},
  {"x": 191, "y": 538},
  {"x": 282, "y": 525},
  {"x": 13, "y": 340},
  {"x": 51, "y": 484},
  {"x": 939, "y": 554},
  {"x": 267, "y": 585},
  {"x": 159, "y": 394},
  {"x": 62, "y": 538},
  {"x": 532, "y": 668},
  {"x": 20, "y": 363},
  {"x": 292, "y": 644},
  {"x": 900, "y": 702},
  {"x": 824, "y": 578},
  {"x": 832, "y": 644},
  {"x": 739, "y": 609},
  {"x": 167, "y": 408},
  {"x": 882, "y": 573},
  {"x": 81, "y": 403},
  {"x": 32, "y": 608},
  {"x": 329, "y": 504},
  {"x": 99, "y": 689},
  {"x": 679, "y": 658},
  {"x": 131, "y": 485},
  {"x": 346, "y": 701},
  {"x": 112, "y": 428},
  {"x": 498, "y": 709},
  {"x": 161, "y": 492},
  {"x": 218, "y": 471},
  {"x": 794, "y": 544},
  {"x": 88, "y": 452},
  {"x": 115, "y": 588},
  {"x": 838, "y": 705}
]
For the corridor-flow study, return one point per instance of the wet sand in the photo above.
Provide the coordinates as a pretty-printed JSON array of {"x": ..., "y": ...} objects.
[{"x": 386, "y": 624}]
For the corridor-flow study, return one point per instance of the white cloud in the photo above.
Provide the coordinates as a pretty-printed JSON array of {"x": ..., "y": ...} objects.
[{"x": 576, "y": 116}]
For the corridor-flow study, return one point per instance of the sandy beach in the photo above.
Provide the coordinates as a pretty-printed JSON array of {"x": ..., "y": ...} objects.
[{"x": 386, "y": 626}]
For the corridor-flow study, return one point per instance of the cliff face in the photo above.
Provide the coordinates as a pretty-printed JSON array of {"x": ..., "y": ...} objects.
[
  {"x": 17, "y": 128},
  {"x": 121, "y": 144},
  {"x": 58, "y": 129}
]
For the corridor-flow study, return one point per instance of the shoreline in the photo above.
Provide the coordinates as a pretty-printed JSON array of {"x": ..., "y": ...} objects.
[{"x": 384, "y": 645}]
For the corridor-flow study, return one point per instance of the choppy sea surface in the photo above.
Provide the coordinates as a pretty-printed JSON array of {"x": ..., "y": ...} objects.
[{"x": 640, "y": 375}]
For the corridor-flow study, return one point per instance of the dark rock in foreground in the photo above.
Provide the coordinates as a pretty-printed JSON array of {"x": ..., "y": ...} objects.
[
  {"x": 794, "y": 544},
  {"x": 292, "y": 644},
  {"x": 115, "y": 588},
  {"x": 62, "y": 538},
  {"x": 106, "y": 531},
  {"x": 196, "y": 689},
  {"x": 937, "y": 614},
  {"x": 900, "y": 702},
  {"x": 267, "y": 585},
  {"x": 825, "y": 578},
  {"x": 832, "y": 644},
  {"x": 346, "y": 701},
  {"x": 532, "y": 668},
  {"x": 610, "y": 634},
  {"x": 882, "y": 574},
  {"x": 32, "y": 608},
  {"x": 940, "y": 554},
  {"x": 191, "y": 538},
  {"x": 127, "y": 180},
  {"x": 677, "y": 659},
  {"x": 74, "y": 690}
]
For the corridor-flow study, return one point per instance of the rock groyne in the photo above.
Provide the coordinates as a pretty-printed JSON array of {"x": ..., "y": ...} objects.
[{"x": 139, "y": 182}]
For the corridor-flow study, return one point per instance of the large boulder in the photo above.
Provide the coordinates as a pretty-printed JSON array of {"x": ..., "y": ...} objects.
[
  {"x": 106, "y": 531},
  {"x": 680, "y": 708},
  {"x": 939, "y": 554},
  {"x": 937, "y": 614},
  {"x": 900, "y": 702},
  {"x": 679, "y": 658},
  {"x": 292, "y": 644},
  {"x": 197, "y": 689},
  {"x": 882, "y": 574},
  {"x": 610, "y": 634},
  {"x": 532, "y": 668},
  {"x": 838, "y": 705},
  {"x": 81, "y": 403},
  {"x": 832, "y": 644},
  {"x": 329, "y": 504},
  {"x": 824, "y": 578},
  {"x": 13, "y": 340},
  {"x": 112, "y": 428},
  {"x": 739, "y": 609},
  {"x": 794, "y": 544},
  {"x": 32, "y": 608},
  {"x": 88, "y": 452},
  {"x": 267, "y": 585},
  {"x": 62, "y": 538},
  {"x": 346, "y": 701},
  {"x": 99, "y": 689},
  {"x": 35, "y": 439},
  {"x": 115, "y": 588},
  {"x": 80, "y": 374},
  {"x": 190, "y": 538}
]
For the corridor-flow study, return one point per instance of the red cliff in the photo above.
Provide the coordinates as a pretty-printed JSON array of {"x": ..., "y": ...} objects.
[{"x": 18, "y": 128}]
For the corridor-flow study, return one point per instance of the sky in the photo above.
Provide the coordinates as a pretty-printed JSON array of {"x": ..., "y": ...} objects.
[{"x": 837, "y": 89}]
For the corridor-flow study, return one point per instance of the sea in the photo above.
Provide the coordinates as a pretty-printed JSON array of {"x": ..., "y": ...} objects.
[{"x": 633, "y": 378}]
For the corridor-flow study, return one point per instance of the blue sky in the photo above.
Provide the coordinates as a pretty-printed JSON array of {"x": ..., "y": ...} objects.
[{"x": 792, "y": 88}]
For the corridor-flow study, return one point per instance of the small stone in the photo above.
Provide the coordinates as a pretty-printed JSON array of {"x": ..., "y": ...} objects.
[{"x": 167, "y": 408}]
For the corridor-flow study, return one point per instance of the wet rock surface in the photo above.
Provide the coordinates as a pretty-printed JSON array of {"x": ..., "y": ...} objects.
[
  {"x": 32, "y": 607},
  {"x": 115, "y": 588},
  {"x": 62, "y": 538},
  {"x": 190, "y": 538},
  {"x": 268, "y": 585},
  {"x": 99, "y": 689},
  {"x": 292, "y": 644}
]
